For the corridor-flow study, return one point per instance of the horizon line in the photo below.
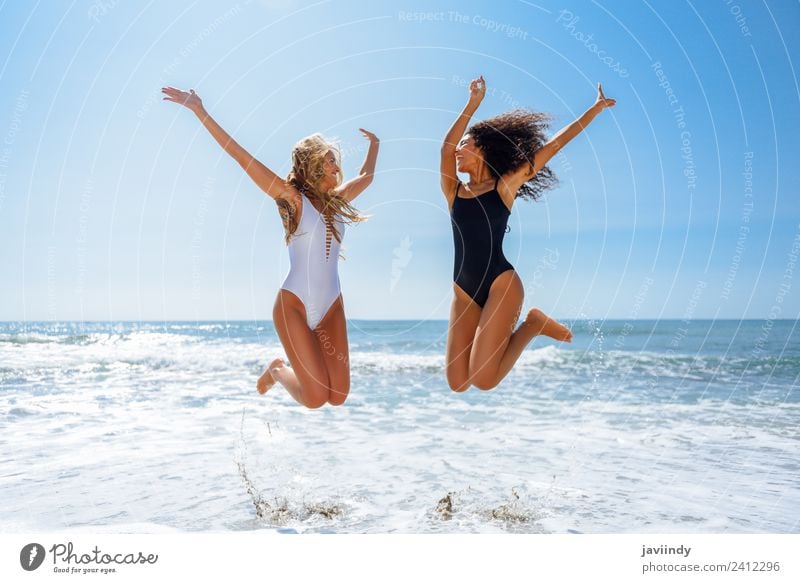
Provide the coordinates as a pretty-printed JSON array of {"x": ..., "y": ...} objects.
[{"x": 416, "y": 320}]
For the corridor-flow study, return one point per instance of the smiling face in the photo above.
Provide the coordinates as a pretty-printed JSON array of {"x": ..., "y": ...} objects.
[
  {"x": 468, "y": 156},
  {"x": 315, "y": 165},
  {"x": 331, "y": 168}
]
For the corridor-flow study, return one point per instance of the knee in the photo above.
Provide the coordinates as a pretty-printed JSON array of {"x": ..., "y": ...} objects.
[
  {"x": 337, "y": 397},
  {"x": 457, "y": 384},
  {"x": 315, "y": 402},
  {"x": 338, "y": 389},
  {"x": 316, "y": 398},
  {"x": 483, "y": 378},
  {"x": 485, "y": 384},
  {"x": 316, "y": 393}
]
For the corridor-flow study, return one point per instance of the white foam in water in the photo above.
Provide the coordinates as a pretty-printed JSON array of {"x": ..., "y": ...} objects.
[{"x": 154, "y": 431}]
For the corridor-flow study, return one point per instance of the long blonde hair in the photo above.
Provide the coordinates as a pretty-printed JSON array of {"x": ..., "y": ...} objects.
[{"x": 307, "y": 175}]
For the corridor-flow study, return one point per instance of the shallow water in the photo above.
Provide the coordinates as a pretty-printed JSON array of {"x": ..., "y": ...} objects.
[{"x": 637, "y": 426}]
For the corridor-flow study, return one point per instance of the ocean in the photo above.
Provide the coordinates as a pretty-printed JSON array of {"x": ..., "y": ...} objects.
[{"x": 637, "y": 426}]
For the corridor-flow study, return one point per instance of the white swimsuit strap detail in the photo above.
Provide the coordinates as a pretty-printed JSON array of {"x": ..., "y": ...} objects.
[{"x": 313, "y": 255}]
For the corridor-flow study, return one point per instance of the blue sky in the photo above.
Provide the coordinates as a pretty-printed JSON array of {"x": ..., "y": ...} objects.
[{"x": 116, "y": 205}]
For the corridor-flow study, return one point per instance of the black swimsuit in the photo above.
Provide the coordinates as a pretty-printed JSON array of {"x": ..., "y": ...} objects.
[{"x": 479, "y": 225}]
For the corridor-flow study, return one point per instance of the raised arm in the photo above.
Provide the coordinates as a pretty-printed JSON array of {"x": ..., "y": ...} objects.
[
  {"x": 265, "y": 178},
  {"x": 558, "y": 141},
  {"x": 355, "y": 186},
  {"x": 448, "y": 178}
]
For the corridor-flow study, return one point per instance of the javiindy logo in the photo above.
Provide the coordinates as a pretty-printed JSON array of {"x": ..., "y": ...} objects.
[{"x": 31, "y": 556}]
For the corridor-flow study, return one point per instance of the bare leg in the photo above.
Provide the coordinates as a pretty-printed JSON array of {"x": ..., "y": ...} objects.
[
  {"x": 537, "y": 323},
  {"x": 266, "y": 380},
  {"x": 464, "y": 316},
  {"x": 331, "y": 334},
  {"x": 497, "y": 346},
  {"x": 307, "y": 380},
  {"x": 286, "y": 376}
]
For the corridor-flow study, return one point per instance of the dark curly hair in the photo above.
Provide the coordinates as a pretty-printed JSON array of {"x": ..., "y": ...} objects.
[{"x": 509, "y": 141}]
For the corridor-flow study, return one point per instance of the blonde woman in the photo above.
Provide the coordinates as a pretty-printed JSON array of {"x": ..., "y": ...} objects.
[{"x": 314, "y": 205}]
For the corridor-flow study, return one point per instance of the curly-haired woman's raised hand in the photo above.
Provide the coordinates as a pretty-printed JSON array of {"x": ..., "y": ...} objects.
[
  {"x": 477, "y": 89},
  {"x": 602, "y": 101}
]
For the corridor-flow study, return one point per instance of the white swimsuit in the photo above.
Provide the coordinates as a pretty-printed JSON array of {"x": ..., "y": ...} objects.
[{"x": 314, "y": 263}]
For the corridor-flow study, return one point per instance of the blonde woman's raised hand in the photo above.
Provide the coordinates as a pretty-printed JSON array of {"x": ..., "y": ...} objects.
[
  {"x": 188, "y": 99},
  {"x": 373, "y": 139}
]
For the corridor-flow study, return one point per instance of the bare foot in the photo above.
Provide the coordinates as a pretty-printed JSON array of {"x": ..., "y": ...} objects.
[
  {"x": 546, "y": 326},
  {"x": 266, "y": 380}
]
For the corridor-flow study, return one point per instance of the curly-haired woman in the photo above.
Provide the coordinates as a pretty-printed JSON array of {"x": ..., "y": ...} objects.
[
  {"x": 314, "y": 205},
  {"x": 505, "y": 157}
]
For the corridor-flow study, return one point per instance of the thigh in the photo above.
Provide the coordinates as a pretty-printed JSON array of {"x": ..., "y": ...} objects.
[
  {"x": 301, "y": 345},
  {"x": 331, "y": 334},
  {"x": 464, "y": 317},
  {"x": 497, "y": 322}
]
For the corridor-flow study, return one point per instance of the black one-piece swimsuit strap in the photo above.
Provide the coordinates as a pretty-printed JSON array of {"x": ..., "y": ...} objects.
[{"x": 479, "y": 226}]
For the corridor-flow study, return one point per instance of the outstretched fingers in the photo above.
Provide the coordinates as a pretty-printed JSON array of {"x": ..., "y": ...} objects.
[
  {"x": 173, "y": 94},
  {"x": 189, "y": 99},
  {"x": 602, "y": 99},
  {"x": 369, "y": 135}
]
